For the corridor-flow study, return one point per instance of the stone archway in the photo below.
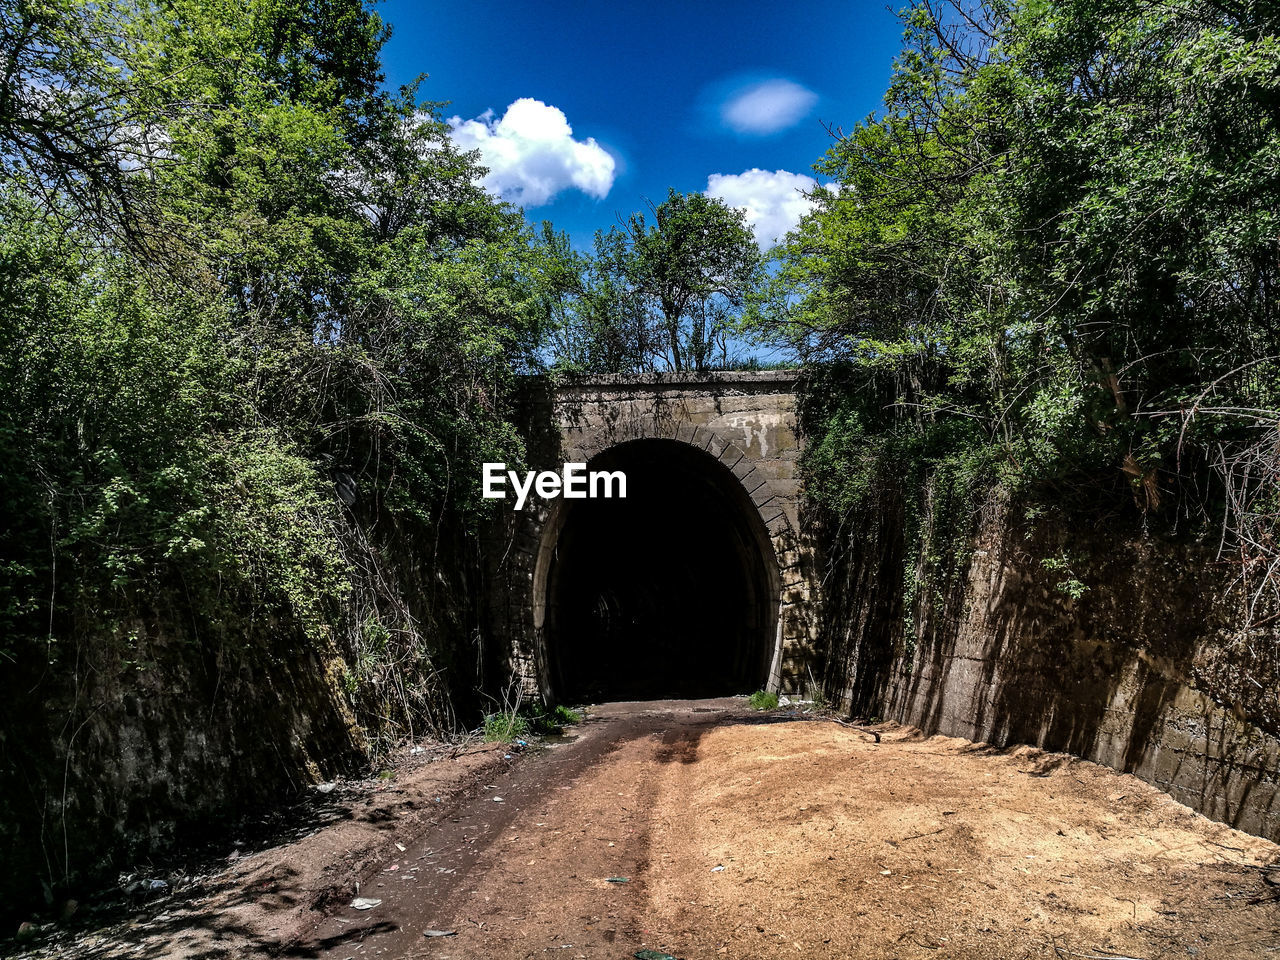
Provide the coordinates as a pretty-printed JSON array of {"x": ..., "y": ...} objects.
[{"x": 733, "y": 439}]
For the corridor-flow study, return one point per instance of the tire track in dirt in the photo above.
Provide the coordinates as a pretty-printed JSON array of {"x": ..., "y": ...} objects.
[
  {"x": 562, "y": 828},
  {"x": 828, "y": 846}
]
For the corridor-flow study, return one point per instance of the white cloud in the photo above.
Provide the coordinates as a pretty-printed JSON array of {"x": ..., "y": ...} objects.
[
  {"x": 767, "y": 107},
  {"x": 531, "y": 153},
  {"x": 773, "y": 202}
]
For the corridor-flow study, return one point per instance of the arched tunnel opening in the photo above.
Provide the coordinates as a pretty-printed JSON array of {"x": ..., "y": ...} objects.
[{"x": 670, "y": 592}]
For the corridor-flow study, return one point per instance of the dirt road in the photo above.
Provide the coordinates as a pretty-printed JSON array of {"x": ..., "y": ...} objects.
[{"x": 704, "y": 830}]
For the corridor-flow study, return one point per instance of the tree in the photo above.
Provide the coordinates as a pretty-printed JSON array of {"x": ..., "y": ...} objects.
[
  {"x": 594, "y": 324},
  {"x": 666, "y": 293},
  {"x": 314, "y": 289},
  {"x": 75, "y": 123},
  {"x": 1056, "y": 228},
  {"x": 1056, "y": 254},
  {"x": 258, "y": 328}
]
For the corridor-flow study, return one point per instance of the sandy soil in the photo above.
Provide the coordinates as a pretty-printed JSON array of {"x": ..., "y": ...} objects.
[
  {"x": 831, "y": 846},
  {"x": 705, "y": 830}
]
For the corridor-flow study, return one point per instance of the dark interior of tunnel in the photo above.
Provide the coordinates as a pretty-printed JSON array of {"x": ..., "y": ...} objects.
[{"x": 666, "y": 593}]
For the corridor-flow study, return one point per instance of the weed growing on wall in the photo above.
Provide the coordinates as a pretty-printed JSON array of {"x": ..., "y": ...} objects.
[{"x": 863, "y": 452}]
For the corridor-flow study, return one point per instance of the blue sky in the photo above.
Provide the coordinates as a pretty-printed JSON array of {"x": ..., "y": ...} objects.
[{"x": 583, "y": 111}]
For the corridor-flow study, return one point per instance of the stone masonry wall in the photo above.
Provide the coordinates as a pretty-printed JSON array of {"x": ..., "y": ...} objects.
[
  {"x": 125, "y": 748},
  {"x": 1137, "y": 673},
  {"x": 746, "y": 420},
  {"x": 1140, "y": 672}
]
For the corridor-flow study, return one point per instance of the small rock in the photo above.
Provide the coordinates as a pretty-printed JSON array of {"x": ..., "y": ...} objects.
[
  {"x": 326, "y": 787},
  {"x": 439, "y": 933},
  {"x": 365, "y": 903}
]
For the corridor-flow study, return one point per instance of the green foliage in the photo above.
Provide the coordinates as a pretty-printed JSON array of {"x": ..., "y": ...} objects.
[
  {"x": 531, "y": 718},
  {"x": 1055, "y": 228},
  {"x": 238, "y": 279},
  {"x": 504, "y": 727},
  {"x": 763, "y": 700},
  {"x": 259, "y": 328},
  {"x": 1051, "y": 263},
  {"x": 544, "y": 719},
  {"x": 665, "y": 294},
  {"x": 1068, "y": 585},
  {"x": 868, "y": 454}
]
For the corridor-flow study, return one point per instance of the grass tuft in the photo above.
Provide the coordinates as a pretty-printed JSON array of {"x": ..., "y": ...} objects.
[
  {"x": 763, "y": 700},
  {"x": 531, "y": 718},
  {"x": 505, "y": 727}
]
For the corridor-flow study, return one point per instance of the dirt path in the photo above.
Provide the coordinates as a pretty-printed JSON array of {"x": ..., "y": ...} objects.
[
  {"x": 268, "y": 880},
  {"x": 752, "y": 836}
]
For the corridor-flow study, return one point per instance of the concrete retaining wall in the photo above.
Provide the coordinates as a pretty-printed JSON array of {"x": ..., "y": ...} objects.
[{"x": 1145, "y": 672}]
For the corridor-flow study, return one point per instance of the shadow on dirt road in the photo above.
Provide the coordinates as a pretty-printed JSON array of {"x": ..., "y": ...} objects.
[{"x": 432, "y": 882}]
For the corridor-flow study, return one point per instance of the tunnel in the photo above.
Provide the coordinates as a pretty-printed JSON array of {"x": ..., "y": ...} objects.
[{"x": 671, "y": 591}]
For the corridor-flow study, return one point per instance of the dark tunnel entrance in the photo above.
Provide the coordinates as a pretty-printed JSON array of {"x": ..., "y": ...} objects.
[{"x": 671, "y": 592}]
